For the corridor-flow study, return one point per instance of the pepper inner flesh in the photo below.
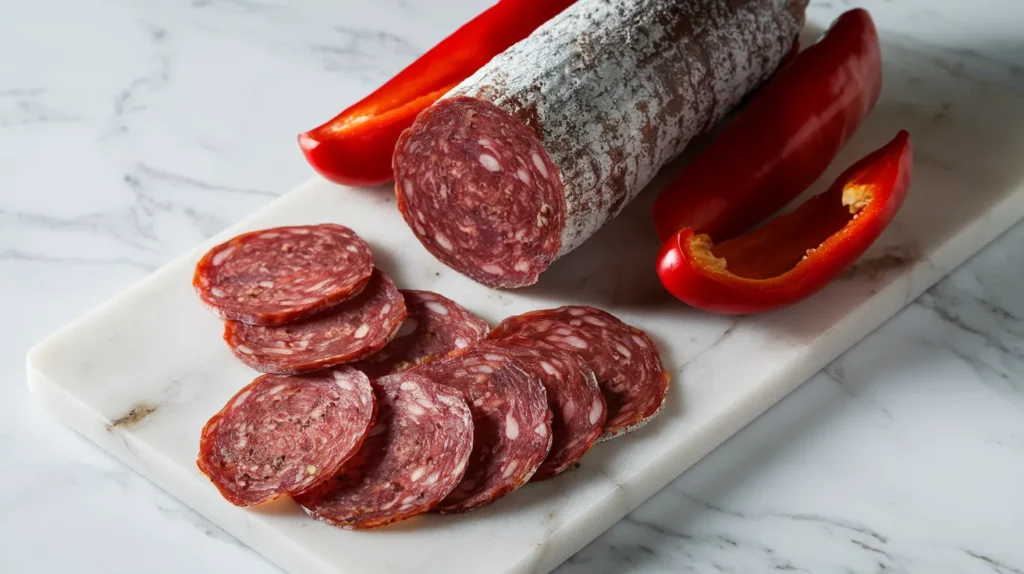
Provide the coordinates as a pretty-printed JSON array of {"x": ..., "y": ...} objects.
[
  {"x": 779, "y": 245},
  {"x": 382, "y": 114}
]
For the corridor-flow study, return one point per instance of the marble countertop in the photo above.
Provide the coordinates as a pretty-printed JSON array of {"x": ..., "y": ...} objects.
[{"x": 132, "y": 130}]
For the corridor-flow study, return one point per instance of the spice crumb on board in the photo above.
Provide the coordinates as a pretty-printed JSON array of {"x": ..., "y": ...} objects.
[{"x": 133, "y": 418}]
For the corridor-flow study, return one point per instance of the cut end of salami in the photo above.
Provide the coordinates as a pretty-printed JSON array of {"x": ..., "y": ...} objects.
[
  {"x": 577, "y": 406},
  {"x": 347, "y": 332},
  {"x": 282, "y": 435},
  {"x": 274, "y": 276},
  {"x": 480, "y": 192},
  {"x": 414, "y": 456},
  {"x": 627, "y": 363},
  {"x": 511, "y": 423},
  {"x": 435, "y": 325}
]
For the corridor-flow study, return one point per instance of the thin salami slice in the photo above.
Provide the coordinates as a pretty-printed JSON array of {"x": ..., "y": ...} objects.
[
  {"x": 274, "y": 276},
  {"x": 414, "y": 456},
  {"x": 282, "y": 435},
  {"x": 435, "y": 326},
  {"x": 528, "y": 157},
  {"x": 577, "y": 405},
  {"x": 625, "y": 360},
  {"x": 511, "y": 423},
  {"x": 345, "y": 333}
]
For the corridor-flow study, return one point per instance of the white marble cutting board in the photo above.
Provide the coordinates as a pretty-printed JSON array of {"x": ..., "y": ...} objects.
[{"x": 141, "y": 374}]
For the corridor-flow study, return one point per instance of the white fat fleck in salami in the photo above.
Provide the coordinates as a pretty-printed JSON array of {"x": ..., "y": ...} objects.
[
  {"x": 407, "y": 468},
  {"x": 505, "y": 403},
  {"x": 242, "y": 396},
  {"x": 435, "y": 326},
  {"x": 511, "y": 424},
  {"x": 347, "y": 332},
  {"x": 275, "y": 277},
  {"x": 281, "y": 434},
  {"x": 493, "y": 269},
  {"x": 443, "y": 242},
  {"x": 626, "y": 363},
  {"x": 436, "y": 308},
  {"x": 489, "y": 162},
  {"x": 408, "y": 326},
  {"x": 539, "y": 164},
  {"x": 222, "y": 255},
  {"x": 569, "y": 381},
  {"x": 590, "y": 106}
]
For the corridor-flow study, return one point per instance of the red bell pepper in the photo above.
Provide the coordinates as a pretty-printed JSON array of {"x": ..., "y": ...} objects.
[
  {"x": 355, "y": 147},
  {"x": 783, "y": 140},
  {"x": 796, "y": 254}
]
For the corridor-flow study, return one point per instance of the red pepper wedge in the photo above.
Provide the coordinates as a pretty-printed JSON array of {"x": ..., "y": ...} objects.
[
  {"x": 783, "y": 140},
  {"x": 355, "y": 147},
  {"x": 797, "y": 254}
]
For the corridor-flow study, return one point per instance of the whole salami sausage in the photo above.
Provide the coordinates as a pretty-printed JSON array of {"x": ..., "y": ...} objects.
[
  {"x": 344, "y": 333},
  {"x": 527, "y": 158},
  {"x": 435, "y": 325},
  {"x": 283, "y": 274},
  {"x": 511, "y": 423},
  {"x": 414, "y": 456},
  {"x": 627, "y": 363},
  {"x": 577, "y": 405},
  {"x": 284, "y": 434}
]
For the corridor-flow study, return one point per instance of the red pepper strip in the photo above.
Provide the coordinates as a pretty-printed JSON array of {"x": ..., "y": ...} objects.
[
  {"x": 355, "y": 147},
  {"x": 783, "y": 140},
  {"x": 795, "y": 255}
]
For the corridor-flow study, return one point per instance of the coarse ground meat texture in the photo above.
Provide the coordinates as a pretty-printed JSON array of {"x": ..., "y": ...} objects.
[
  {"x": 627, "y": 363},
  {"x": 577, "y": 405},
  {"x": 435, "y": 325},
  {"x": 511, "y": 423},
  {"x": 414, "y": 456},
  {"x": 531, "y": 155},
  {"x": 487, "y": 201},
  {"x": 347, "y": 332},
  {"x": 281, "y": 435},
  {"x": 274, "y": 276}
]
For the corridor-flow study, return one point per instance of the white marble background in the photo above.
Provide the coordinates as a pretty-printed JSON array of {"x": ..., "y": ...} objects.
[{"x": 131, "y": 130}]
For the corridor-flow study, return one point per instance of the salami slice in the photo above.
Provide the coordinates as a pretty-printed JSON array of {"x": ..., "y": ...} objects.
[
  {"x": 278, "y": 275},
  {"x": 435, "y": 326},
  {"x": 414, "y": 456},
  {"x": 511, "y": 423},
  {"x": 625, "y": 360},
  {"x": 281, "y": 435},
  {"x": 577, "y": 405},
  {"x": 345, "y": 333},
  {"x": 526, "y": 159}
]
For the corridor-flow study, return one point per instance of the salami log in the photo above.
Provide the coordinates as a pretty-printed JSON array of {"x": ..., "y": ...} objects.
[
  {"x": 281, "y": 435},
  {"x": 435, "y": 326},
  {"x": 414, "y": 456},
  {"x": 527, "y": 158},
  {"x": 345, "y": 333},
  {"x": 577, "y": 405},
  {"x": 511, "y": 423},
  {"x": 625, "y": 360},
  {"x": 283, "y": 274}
]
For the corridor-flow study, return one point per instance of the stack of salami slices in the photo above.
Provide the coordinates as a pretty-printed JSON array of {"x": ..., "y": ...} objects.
[
  {"x": 299, "y": 299},
  {"x": 378, "y": 404}
]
